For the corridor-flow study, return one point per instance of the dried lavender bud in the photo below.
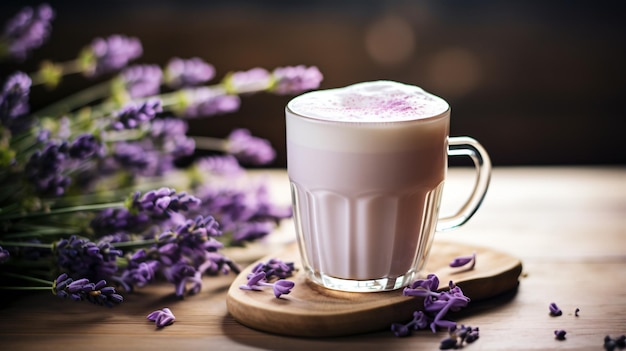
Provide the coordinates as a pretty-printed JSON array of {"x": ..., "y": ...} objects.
[
  {"x": 448, "y": 343},
  {"x": 555, "y": 310},
  {"x": 576, "y": 311},
  {"x": 469, "y": 261},
  {"x": 257, "y": 281},
  {"x": 560, "y": 334},
  {"x": 82, "y": 289},
  {"x": 162, "y": 317},
  {"x": 132, "y": 115}
]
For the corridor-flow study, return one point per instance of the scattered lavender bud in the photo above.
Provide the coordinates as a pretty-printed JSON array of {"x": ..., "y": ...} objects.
[
  {"x": 560, "y": 334},
  {"x": 469, "y": 261},
  {"x": 162, "y": 318},
  {"x": 257, "y": 280},
  {"x": 576, "y": 311},
  {"x": 448, "y": 343},
  {"x": 621, "y": 341},
  {"x": 555, "y": 310}
]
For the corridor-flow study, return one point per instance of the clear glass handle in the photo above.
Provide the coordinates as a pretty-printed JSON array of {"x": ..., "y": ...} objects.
[{"x": 466, "y": 146}]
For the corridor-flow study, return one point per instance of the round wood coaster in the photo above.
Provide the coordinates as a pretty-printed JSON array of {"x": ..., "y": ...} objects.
[{"x": 313, "y": 311}]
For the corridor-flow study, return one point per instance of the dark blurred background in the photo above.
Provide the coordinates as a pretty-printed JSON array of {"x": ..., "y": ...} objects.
[{"x": 537, "y": 82}]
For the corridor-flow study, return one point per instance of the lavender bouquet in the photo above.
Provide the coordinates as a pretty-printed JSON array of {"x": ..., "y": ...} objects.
[{"x": 93, "y": 203}]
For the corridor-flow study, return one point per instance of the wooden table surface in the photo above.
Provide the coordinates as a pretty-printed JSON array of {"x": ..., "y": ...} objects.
[{"x": 567, "y": 224}]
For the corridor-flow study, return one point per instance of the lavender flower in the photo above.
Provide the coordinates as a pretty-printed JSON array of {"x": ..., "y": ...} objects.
[
  {"x": 458, "y": 336},
  {"x": 85, "y": 146},
  {"x": 161, "y": 202},
  {"x": 132, "y": 115},
  {"x": 204, "y": 102},
  {"x": 255, "y": 79},
  {"x": 258, "y": 280},
  {"x": 83, "y": 258},
  {"x": 249, "y": 149},
  {"x": 464, "y": 261},
  {"x": 560, "y": 334},
  {"x": 555, "y": 310},
  {"x": 295, "y": 80},
  {"x": 82, "y": 289},
  {"x": 274, "y": 268},
  {"x": 142, "y": 80},
  {"x": 419, "y": 321},
  {"x": 27, "y": 30},
  {"x": 610, "y": 344},
  {"x": 437, "y": 304},
  {"x": 4, "y": 255},
  {"x": 114, "y": 220},
  {"x": 576, "y": 311},
  {"x": 220, "y": 165},
  {"x": 14, "y": 99},
  {"x": 136, "y": 158},
  {"x": 171, "y": 136},
  {"x": 162, "y": 318},
  {"x": 110, "y": 54},
  {"x": 186, "y": 73},
  {"x": 44, "y": 168}
]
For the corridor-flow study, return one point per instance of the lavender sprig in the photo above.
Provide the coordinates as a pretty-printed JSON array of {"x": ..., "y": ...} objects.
[
  {"x": 82, "y": 289},
  {"x": 105, "y": 55},
  {"x": 187, "y": 73},
  {"x": 26, "y": 31},
  {"x": 249, "y": 149},
  {"x": 162, "y": 317}
]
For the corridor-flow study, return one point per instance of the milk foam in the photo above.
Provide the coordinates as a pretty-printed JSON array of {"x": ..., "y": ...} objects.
[{"x": 376, "y": 101}]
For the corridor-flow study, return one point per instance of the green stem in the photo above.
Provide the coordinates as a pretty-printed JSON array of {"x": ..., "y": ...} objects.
[
  {"x": 23, "y": 244},
  {"x": 92, "y": 207},
  {"x": 82, "y": 98},
  {"x": 40, "y": 232},
  {"x": 25, "y": 277},
  {"x": 25, "y": 288},
  {"x": 208, "y": 143}
]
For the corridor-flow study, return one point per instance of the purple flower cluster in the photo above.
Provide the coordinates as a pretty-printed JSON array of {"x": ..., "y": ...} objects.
[
  {"x": 82, "y": 289},
  {"x": 249, "y": 149},
  {"x": 458, "y": 336},
  {"x": 182, "y": 255},
  {"x": 220, "y": 165},
  {"x": 206, "y": 102},
  {"x": 253, "y": 80},
  {"x": 132, "y": 115},
  {"x": 83, "y": 258},
  {"x": 118, "y": 220},
  {"x": 187, "y": 73},
  {"x": 162, "y": 317},
  {"x": 169, "y": 136},
  {"x": 14, "y": 100},
  {"x": 436, "y": 305},
  {"x": 161, "y": 203},
  {"x": 45, "y": 168},
  {"x": 296, "y": 79},
  {"x": 247, "y": 214},
  {"x": 142, "y": 80},
  {"x": 28, "y": 30},
  {"x": 4, "y": 255},
  {"x": 110, "y": 54},
  {"x": 263, "y": 272},
  {"x": 611, "y": 344}
]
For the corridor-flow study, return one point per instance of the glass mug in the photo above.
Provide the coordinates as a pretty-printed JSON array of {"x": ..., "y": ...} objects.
[{"x": 367, "y": 165}]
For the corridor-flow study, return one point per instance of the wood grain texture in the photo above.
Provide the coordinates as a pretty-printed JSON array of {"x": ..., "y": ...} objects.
[{"x": 313, "y": 311}]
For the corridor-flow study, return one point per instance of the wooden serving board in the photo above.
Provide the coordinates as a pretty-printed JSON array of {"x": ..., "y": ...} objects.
[{"x": 313, "y": 311}]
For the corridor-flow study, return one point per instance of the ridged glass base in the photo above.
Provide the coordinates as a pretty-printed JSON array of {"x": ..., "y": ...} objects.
[{"x": 373, "y": 285}]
